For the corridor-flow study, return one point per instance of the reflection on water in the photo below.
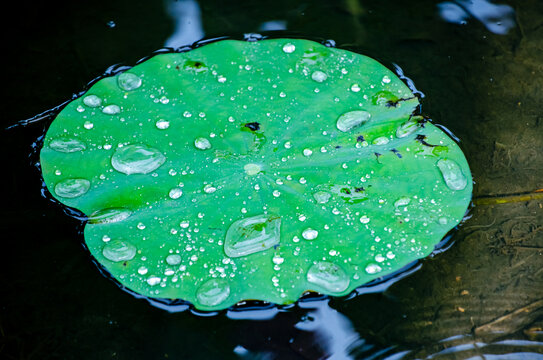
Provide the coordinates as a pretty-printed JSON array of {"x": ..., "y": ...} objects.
[
  {"x": 498, "y": 19},
  {"x": 187, "y": 22}
]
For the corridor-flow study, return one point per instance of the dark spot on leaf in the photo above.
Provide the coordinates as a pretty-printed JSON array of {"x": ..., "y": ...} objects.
[
  {"x": 377, "y": 156},
  {"x": 338, "y": 147},
  {"x": 359, "y": 189},
  {"x": 422, "y": 139},
  {"x": 397, "y": 153},
  {"x": 124, "y": 263},
  {"x": 360, "y": 138},
  {"x": 346, "y": 191},
  {"x": 253, "y": 126}
]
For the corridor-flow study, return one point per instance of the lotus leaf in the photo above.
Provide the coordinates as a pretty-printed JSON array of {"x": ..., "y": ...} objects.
[{"x": 254, "y": 170}]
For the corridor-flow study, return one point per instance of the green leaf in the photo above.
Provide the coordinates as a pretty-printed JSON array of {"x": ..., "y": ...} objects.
[{"x": 254, "y": 170}]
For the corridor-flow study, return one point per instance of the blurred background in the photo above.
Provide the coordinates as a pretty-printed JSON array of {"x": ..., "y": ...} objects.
[{"x": 479, "y": 64}]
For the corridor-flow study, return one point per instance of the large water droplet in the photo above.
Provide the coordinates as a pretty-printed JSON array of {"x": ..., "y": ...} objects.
[
  {"x": 72, "y": 188},
  {"x": 175, "y": 193},
  {"x": 310, "y": 234},
  {"x": 137, "y": 159},
  {"x": 322, "y": 197},
  {"x": 119, "y": 250},
  {"x": 251, "y": 235},
  {"x": 111, "y": 109},
  {"x": 373, "y": 269},
  {"x": 403, "y": 201},
  {"x": 202, "y": 143},
  {"x": 319, "y": 76},
  {"x": 92, "y": 101},
  {"x": 289, "y": 48},
  {"x": 252, "y": 169},
  {"x": 382, "y": 140},
  {"x": 329, "y": 276},
  {"x": 213, "y": 292},
  {"x": 352, "y": 119},
  {"x": 452, "y": 174},
  {"x": 173, "y": 259},
  {"x": 110, "y": 215},
  {"x": 66, "y": 145},
  {"x": 162, "y": 124},
  {"x": 128, "y": 81}
]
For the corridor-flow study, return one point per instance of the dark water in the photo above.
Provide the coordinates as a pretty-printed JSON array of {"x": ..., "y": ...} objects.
[{"x": 480, "y": 66}]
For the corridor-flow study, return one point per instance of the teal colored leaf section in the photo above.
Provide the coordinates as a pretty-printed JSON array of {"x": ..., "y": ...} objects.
[{"x": 254, "y": 170}]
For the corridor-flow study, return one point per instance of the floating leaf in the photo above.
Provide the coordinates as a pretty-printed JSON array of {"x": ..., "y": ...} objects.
[{"x": 254, "y": 170}]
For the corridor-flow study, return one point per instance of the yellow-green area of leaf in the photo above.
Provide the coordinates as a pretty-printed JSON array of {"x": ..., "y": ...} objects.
[{"x": 254, "y": 170}]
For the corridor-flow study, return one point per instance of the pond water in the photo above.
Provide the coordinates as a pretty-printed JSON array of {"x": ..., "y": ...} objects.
[{"x": 479, "y": 65}]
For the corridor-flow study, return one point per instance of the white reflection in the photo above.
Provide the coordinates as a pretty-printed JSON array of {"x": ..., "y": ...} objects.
[
  {"x": 273, "y": 25},
  {"x": 333, "y": 326},
  {"x": 187, "y": 22},
  {"x": 498, "y": 19}
]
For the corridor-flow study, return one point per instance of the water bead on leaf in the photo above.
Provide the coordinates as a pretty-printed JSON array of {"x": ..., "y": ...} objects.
[
  {"x": 219, "y": 174},
  {"x": 352, "y": 119},
  {"x": 128, "y": 81},
  {"x": 137, "y": 159}
]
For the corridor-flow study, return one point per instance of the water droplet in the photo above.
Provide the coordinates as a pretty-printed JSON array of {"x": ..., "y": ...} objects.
[
  {"x": 202, "y": 143},
  {"x": 128, "y": 81},
  {"x": 209, "y": 189},
  {"x": 276, "y": 193},
  {"x": 407, "y": 128},
  {"x": 137, "y": 159},
  {"x": 251, "y": 235},
  {"x": 379, "y": 258},
  {"x": 322, "y": 197},
  {"x": 119, "y": 250},
  {"x": 173, "y": 259},
  {"x": 213, "y": 292},
  {"x": 153, "y": 280},
  {"x": 310, "y": 234},
  {"x": 162, "y": 124},
  {"x": 373, "y": 269},
  {"x": 278, "y": 260},
  {"x": 175, "y": 193},
  {"x": 282, "y": 94},
  {"x": 352, "y": 119},
  {"x": 252, "y": 169},
  {"x": 364, "y": 219},
  {"x": 382, "y": 140},
  {"x": 72, "y": 188},
  {"x": 88, "y": 125},
  {"x": 328, "y": 276},
  {"x": 319, "y": 76},
  {"x": 221, "y": 79},
  {"x": 355, "y": 88},
  {"x": 452, "y": 174},
  {"x": 142, "y": 270},
  {"x": 141, "y": 226},
  {"x": 184, "y": 224},
  {"x": 66, "y": 145},
  {"x": 390, "y": 255},
  {"x": 403, "y": 201},
  {"x": 289, "y": 48},
  {"x": 443, "y": 220},
  {"x": 111, "y": 109},
  {"x": 92, "y": 101},
  {"x": 109, "y": 215},
  {"x": 307, "y": 152},
  {"x": 385, "y": 79}
]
